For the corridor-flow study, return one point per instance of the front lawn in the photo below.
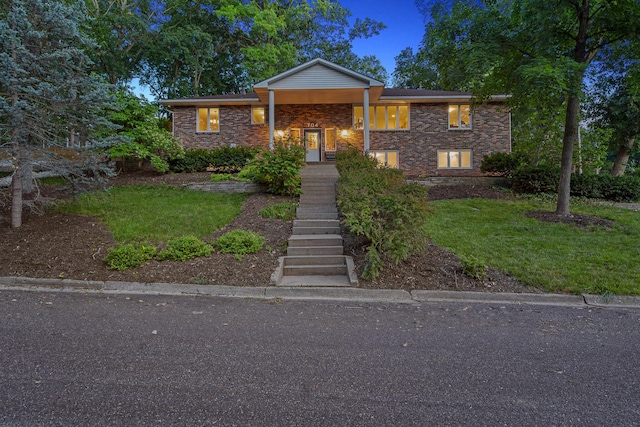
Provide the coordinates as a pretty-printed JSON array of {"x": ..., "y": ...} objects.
[
  {"x": 156, "y": 214},
  {"x": 555, "y": 257}
]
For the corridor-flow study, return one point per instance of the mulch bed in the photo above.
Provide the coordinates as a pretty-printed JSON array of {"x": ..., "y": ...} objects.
[{"x": 56, "y": 245}]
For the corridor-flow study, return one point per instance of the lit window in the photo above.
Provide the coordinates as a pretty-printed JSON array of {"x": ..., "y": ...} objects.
[
  {"x": 382, "y": 117},
  {"x": 330, "y": 139},
  {"x": 460, "y": 116},
  {"x": 257, "y": 115},
  {"x": 294, "y": 136},
  {"x": 208, "y": 120},
  {"x": 455, "y": 159},
  {"x": 386, "y": 158}
]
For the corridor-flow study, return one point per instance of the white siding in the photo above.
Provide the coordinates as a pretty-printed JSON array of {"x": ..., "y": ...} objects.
[{"x": 318, "y": 77}]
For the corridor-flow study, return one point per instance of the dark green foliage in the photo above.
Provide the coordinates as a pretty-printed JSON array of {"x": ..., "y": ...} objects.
[
  {"x": 128, "y": 256},
  {"x": 142, "y": 134},
  {"x": 377, "y": 203},
  {"x": 184, "y": 248},
  {"x": 536, "y": 179},
  {"x": 219, "y": 160},
  {"x": 278, "y": 169},
  {"x": 239, "y": 243},
  {"x": 285, "y": 211},
  {"x": 614, "y": 188},
  {"x": 502, "y": 164}
]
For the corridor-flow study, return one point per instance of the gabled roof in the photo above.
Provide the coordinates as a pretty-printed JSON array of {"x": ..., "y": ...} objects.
[
  {"x": 322, "y": 82},
  {"x": 318, "y": 82}
]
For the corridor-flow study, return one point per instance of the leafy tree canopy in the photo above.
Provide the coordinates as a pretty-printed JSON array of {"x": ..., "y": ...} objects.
[{"x": 538, "y": 52}]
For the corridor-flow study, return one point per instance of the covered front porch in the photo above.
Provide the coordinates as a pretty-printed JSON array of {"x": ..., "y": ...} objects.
[{"x": 323, "y": 88}]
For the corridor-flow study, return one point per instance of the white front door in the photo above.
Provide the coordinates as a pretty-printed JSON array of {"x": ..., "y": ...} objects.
[{"x": 312, "y": 139}]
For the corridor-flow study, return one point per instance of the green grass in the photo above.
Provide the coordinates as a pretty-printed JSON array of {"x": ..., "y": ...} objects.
[
  {"x": 157, "y": 214},
  {"x": 554, "y": 257}
]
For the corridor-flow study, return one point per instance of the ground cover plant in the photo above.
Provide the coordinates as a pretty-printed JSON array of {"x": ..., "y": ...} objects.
[
  {"x": 239, "y": 243},
  {"x": 557, "y": 257},
  {"x": 285, "y": 210},
  {"x": 156, "y": 214}
]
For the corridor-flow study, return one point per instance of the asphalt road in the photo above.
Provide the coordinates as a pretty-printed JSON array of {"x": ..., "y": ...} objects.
[{"x": 69, "y": 359}]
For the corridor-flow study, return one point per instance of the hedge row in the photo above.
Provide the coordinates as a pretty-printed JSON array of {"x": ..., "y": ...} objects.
[
  {"x": 380, "y": 205},
  {"x": 222, "y": 160},
  {"x": 545, "y": 179}
]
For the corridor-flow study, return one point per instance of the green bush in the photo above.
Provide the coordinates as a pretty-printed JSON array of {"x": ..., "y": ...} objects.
[
  {"x": 128, "y": 256},
  {"x": 285, "y": 211},
  {"x": 239, "y": 243},
  {"x": 184, "y": 248},
  {"x": 502, "y": 164},
  {"x": 377, "y": 203},
  {"x": 217, "y": 177},
  {"x": 616, "y": 188},
  {"x": 219, "y": 160},
  {"x": 535, "y": 179},
  {"x": 544, "y": 179},
  {"x": 278, "y": 169},
  {"x": 473, "y": 267}
]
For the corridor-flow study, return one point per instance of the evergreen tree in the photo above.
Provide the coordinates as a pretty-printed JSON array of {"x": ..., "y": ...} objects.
[{"x": 47, "y": 97}]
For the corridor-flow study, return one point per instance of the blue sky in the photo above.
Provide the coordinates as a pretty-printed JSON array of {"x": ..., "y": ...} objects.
[{"x": 405, "y": 28}]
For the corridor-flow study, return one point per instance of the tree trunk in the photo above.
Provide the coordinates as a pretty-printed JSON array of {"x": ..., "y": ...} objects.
[
  {"x": 16, "y": 197},
  {"x": 568, "y": 141},
  {"x": 622, "y": 157},
  {"x": 26, "y": 170}
]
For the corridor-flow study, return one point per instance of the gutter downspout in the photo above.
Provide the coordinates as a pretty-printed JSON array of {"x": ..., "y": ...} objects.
[{"x": 271, "y": 118}]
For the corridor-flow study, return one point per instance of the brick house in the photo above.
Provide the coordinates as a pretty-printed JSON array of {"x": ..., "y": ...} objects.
[{"x": 328, "y": 107}]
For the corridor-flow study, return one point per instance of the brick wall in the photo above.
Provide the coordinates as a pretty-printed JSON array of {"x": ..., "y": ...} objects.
[{"x": 417, "y": 146}]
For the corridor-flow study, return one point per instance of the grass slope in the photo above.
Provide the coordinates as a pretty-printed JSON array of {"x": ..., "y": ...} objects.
[
  {"x": 157, "y": 214},
  {"x": 555, "y": 257}
]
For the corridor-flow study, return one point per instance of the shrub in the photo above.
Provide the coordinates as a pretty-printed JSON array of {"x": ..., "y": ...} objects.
[
  {"x": 184, "y": 248},
  {"x": 239, "y": 243},
  {"x": 219, "y": 160},
  {"x": 536, "y": 179},
  {"x": 586, "y": 186},
  {"x": 128, "y": 256},
  {"x": 620, "y": 188},
  {"x": 141, "y": 134},
  {"x": 473, "y": 267},
  {"x": 217, "y": 177},
  {"x": 502, "y": 164},
  {"x": 278, "y": 169},
  {"x": 377, "y": 203},
  {"x": 285, "y": 211}
]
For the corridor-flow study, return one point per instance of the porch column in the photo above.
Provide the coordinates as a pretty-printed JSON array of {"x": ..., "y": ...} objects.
[
  {"x": 366, "y": 120},
  {"x": 271, "y": 118}
]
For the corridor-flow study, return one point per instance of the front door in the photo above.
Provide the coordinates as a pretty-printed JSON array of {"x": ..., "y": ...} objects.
[{"x": 312, "y": 139}]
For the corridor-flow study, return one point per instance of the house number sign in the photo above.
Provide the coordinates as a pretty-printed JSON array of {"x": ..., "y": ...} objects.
[{"x": 311, "y": 125}]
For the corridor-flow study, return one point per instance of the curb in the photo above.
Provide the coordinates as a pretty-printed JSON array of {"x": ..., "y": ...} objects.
[{"x": 302, "y": 293}]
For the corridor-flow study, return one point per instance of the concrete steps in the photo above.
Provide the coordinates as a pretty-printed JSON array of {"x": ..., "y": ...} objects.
[{"x": 315, "y": 252}]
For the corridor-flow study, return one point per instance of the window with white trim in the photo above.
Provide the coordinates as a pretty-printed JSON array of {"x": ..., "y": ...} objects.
[
  {"x": 208, "y": 120},
  {"x": 257, "y": 115},
  {"x": 455, "y": 159},
  {"x": 386, "y": 158},
  {"x": 330, "y": 139},
  {"x": 460, "y": 116},
  {"x": 382, "y": 117}
]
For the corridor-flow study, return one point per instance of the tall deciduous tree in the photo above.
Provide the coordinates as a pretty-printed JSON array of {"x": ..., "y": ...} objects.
[
  {"x": 613, "y": 104},
  {"x": 195, "y": 52},
  {"x": 121, "y": 29},
  {"x": 276, "y": 35},
  {"x": 537, "y": 51},
  {"x": 47, "y": 94}
]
